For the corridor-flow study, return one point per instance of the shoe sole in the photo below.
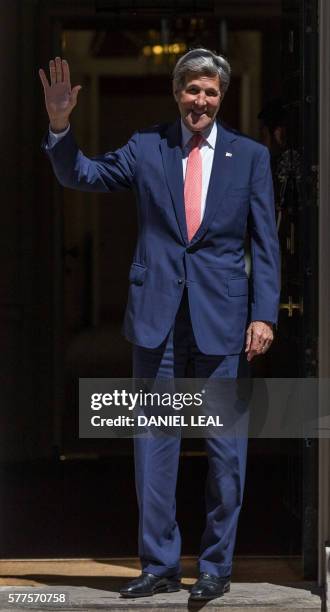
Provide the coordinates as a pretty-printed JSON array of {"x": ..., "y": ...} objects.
[
  {"x": 199, "y": 598},
  {"x": 164, "y": 589}
]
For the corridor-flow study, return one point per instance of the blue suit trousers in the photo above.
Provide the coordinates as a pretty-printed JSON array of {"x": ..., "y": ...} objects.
[{"x": 157, "y": 459}]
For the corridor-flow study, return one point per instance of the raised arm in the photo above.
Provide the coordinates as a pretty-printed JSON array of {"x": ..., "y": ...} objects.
[{"x": 108, "y": 172}]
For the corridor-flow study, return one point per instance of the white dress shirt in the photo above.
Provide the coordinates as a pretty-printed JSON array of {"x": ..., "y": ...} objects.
[{"x": 207, "y": 147}]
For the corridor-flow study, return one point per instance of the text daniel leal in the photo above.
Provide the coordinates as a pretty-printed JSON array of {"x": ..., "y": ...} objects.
[
  {"x": 200, "y": 420},
  {"x": 170, "y": 420}
]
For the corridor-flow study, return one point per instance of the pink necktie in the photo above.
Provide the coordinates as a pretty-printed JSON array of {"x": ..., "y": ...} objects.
[{"x": 193, "y": 186}]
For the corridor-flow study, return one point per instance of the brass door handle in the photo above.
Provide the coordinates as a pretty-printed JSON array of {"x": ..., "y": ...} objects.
[{"x": 290, "y": 306}]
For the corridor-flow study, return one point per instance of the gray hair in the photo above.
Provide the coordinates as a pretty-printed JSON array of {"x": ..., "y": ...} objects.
[{"x": 202, "y": 61}]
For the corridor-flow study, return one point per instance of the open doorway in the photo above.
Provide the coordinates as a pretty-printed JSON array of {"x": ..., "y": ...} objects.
[{"x": 126, "y": 85}]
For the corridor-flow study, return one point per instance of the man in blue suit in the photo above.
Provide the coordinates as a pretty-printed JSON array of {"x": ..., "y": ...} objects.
[{"x": 199, "y": 187}]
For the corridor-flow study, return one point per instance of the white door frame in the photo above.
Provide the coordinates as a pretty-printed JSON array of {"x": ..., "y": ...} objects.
[{"x": 324, "y": 275}]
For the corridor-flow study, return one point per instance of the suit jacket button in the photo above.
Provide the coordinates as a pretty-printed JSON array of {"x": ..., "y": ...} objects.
[{"x": 180, "y": 281}]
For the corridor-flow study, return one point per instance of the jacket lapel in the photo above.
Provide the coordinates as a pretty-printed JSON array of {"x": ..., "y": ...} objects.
[
  {"x": 220, "y": 179},
  {"x": 170, "y": 147}
]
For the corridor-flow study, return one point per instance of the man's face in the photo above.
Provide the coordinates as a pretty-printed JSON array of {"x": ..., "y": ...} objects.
[{"x": 199, "y": 101}]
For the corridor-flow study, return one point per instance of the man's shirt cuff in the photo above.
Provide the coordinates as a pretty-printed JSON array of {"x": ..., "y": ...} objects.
[{"x": 54, "y": 138}]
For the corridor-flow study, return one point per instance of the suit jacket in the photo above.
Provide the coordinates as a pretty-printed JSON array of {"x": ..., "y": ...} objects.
[{"x": 212, "y": 265}]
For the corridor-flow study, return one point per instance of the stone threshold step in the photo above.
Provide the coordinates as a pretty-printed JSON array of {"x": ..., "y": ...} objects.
[{"x": 243, "y": 597}]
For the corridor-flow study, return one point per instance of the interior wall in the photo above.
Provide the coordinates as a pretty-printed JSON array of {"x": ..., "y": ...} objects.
[
  {"x": 26, "y": 289},
  {"x": 10, "y": 292},
  {"x": 21, "y": 428}
]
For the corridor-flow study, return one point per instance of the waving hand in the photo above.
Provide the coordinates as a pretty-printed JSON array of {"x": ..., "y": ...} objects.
[{"x": 60, "y": 98}]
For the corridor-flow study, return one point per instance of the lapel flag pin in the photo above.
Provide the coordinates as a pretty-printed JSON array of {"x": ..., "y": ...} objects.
[{"x": 229, "y": 154}]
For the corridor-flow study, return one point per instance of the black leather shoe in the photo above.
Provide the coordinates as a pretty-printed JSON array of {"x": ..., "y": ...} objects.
[
  {"x": 210, "y": 587},
  {"x": 149, "y": 584}
]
